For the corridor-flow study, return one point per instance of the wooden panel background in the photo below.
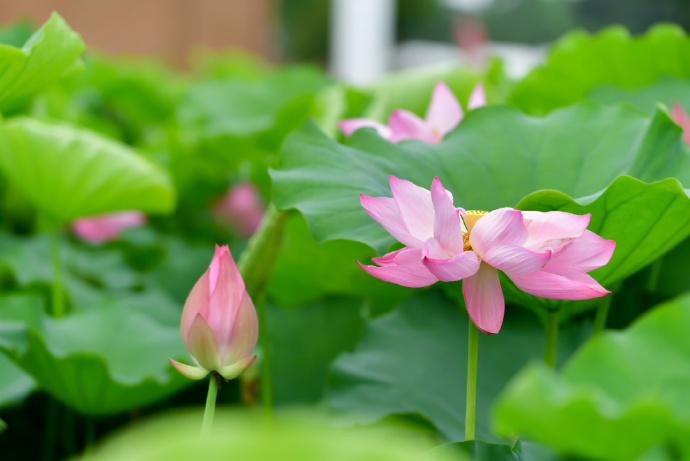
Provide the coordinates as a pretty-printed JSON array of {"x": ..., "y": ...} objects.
[{"x": 169, "y": 29}]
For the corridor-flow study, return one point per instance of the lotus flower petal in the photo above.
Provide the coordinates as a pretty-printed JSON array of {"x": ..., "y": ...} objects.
[
  {"x": 188, "y": 371},
  {"x": 407, "y": 276},
  {"x": 406, "y": 125},
  {"x": 444, "y": 111},
  {"x": 484, "y": 299},
  {"x": 351, "y": 125}
]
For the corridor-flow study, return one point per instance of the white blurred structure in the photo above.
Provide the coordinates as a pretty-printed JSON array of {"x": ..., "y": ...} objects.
[{"x": 362, "y": 39}]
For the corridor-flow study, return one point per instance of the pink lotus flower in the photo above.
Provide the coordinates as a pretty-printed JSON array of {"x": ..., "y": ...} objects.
[
  {"x": 107, "y": 227},
  {"x": 219, "y": 324},
  {"x": 241, "y": 207},
  {"x": 544, "y": 254},
  {"x": 442, "y": 116},
  {"x": 681, "y": 118}
]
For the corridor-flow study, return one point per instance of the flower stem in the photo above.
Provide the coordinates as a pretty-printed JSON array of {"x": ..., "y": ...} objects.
[
  {"x": 601, "y": 315},
  {"x": 551, "y": 338},
  {"x": 210, "y": 404},
  {"x": 266, "y": 363},
  {"x": 471, "y": 403},
  {"x": 58, "y": 298}
]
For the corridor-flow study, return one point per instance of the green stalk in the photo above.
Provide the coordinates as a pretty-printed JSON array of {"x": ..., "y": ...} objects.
[
  {"x": 601, "y": 315},
  {"x": 551, "y": 338},
  {"x": 256, "y": 265},
  {"x": 210, "y": 404},
  {"x": 471, "y": 402},
  {"x": 266, "y": 358},
  {"x": 58, "y": 303}
]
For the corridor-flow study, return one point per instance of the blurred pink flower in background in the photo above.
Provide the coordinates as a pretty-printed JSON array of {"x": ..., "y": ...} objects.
[
  {"x": 442, "y": 116},
  {"x": 107, "y": 227},
  {"x": 544, "y": 254},
  {"x": 241, "y": 207},
  {"x": 471, "y": 37},
  {"x": 219, "y": 325},
  {"x": 681, "y": 118}
]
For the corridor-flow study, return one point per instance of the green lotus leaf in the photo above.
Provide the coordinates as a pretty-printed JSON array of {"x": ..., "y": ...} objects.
[
  {"x": 51, "y": 53},
  {"x": 323, "y": 179},
  {"x": 307, "y": 271},
  {"x": 666, "y": 90},
  {"x": 302, "y": 436},
  {"x": 68, "y": 172},
  {"x": 625, "y": 393},
  {"x": 580, "y": 61},
  {"x": 15, "y": 384},
  {"x": 103, "y": 360},
  {"x": 305, "y": 340},
  {"x": 413, "y": 361}
]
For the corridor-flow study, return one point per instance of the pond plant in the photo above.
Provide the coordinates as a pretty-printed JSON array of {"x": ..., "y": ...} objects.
[{"x": 329, "y": 337}]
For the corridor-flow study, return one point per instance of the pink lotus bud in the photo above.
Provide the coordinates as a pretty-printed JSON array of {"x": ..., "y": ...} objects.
[
  {"x": 241, "y": 207},
  {"x": 107, "y": 227},
  {"x": 219, "y": 325}
]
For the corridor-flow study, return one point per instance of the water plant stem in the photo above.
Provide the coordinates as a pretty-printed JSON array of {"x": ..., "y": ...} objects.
[
  {"x": 471, "y": 402},
  {"x": 551, "y": 338},
  {"x": 601, "y": 316},
  {"x": 266, "y": 364},
  {"x": 58, "y": 298},
  {"x": 210, "y": 404}
]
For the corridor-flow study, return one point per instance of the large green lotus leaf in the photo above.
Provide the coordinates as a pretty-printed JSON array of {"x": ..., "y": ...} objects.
[
  {"x": 580, "y": 61},
  {"x": 666, "y": 90},
  {"x": 102, "y": 360},
  {"x": 50, "y": 54},
  {"x": 624, "y": 393},
  {"x": 67, "y": 172},
  {"x": 305, "y": 340},
  {"x": 414, "y": 360},
  {"x": 306, "y": 271},
  {"x": 323, "y": 179},
  {"x": 645, "y": 220},
  {"x": 296, "y": 436},
  {"x": 479, "y": 450}
]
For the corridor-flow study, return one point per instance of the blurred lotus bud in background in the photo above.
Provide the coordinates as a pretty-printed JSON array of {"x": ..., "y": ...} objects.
[
  {"x": 241, "y": 208},
  {"x": 107, "y": 227}
]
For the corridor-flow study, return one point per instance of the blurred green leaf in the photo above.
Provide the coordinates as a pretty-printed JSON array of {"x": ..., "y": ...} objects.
[
  {"x": 16, "y": 34},
  {"x": 624, "y": 393},
  {"x": 306, "y": 271},
  {"x": 298, "y": 437},
  {"x": 50, "y": 54},
  {"x": 68, "y": 172},
  {"x": 666, "y": 91},
  {"x": 413, "y": 360},
  {"x": 580, "y": 61},
  {"x": 323, "y": 179},
  {"x": 479, "y": 450},
  {"x": 102, "y": 360},
  {"x": 15, "y": 384},
  {"x": 305, "y": 340}
]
